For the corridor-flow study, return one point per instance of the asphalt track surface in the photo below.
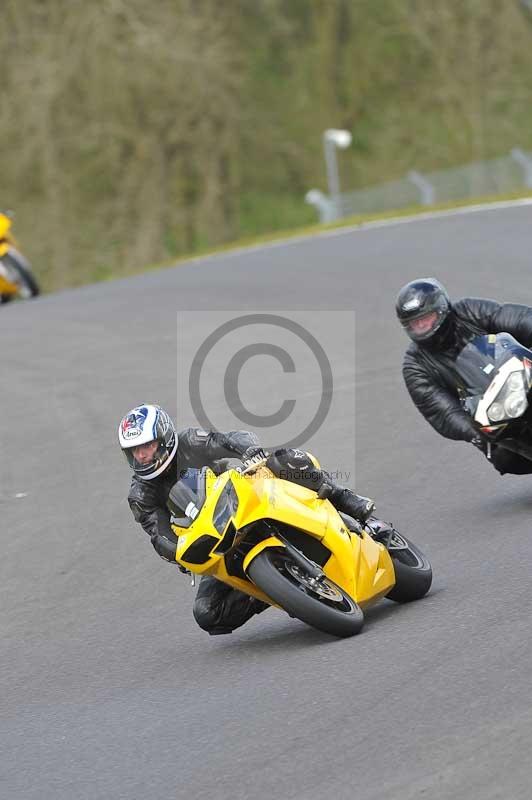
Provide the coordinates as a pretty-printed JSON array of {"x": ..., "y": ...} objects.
[{"x": 110, "y": 690}]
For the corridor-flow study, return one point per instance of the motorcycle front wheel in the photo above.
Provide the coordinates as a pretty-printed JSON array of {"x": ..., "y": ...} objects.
[
  {"x": 17, "y": 267},
  {"x": 321, "y": 604}
]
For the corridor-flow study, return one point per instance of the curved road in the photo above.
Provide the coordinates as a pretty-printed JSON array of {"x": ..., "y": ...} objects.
[{"x": 110, "y": 690}]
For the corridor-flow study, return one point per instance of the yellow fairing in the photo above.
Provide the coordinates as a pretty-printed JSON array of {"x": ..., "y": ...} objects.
[
  {"x": 358, "y": 564},
  {"x": 361, "y": 566},
  {"x": 7, "y": 287},
  {"x": 203, "y": 525},
  {"x": 5, "y": 225},
  {"x": 271, "y": 541}
]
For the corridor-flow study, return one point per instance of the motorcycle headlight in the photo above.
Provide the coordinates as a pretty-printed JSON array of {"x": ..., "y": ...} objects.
[
  {"x": 226, "y": 507},
  {"x": 496, "y": 412},
  {"x": 511, "y": 402},
  {"x": 514, "y": 382},
  {"x": 515, "y": 404}
]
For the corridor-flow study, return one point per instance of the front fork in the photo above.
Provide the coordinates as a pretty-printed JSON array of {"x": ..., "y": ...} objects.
[{"x": 306, "y": 564}]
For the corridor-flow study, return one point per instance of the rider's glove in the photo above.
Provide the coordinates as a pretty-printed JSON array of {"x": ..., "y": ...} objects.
[
  {"x": 165, "y": 548},
  {"x": 167, "y": 551},
  {"x": 253, "y": 455},
  {"x": 367, "y": 507}
]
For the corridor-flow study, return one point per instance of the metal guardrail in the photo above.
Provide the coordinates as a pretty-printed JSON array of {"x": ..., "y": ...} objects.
[{"x": 497, "y": 176}]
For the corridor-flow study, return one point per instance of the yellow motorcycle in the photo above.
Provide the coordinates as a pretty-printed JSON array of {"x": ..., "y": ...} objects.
[
  {"x": 16, "y": 277},
  {"x": 288, "y": 546}
]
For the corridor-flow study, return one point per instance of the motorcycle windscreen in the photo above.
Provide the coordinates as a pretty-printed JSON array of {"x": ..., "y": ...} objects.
[{"x": 187, "y": 496}]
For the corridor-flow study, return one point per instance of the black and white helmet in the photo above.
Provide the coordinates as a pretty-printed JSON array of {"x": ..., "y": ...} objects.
[{"x": 144, "y": 425}]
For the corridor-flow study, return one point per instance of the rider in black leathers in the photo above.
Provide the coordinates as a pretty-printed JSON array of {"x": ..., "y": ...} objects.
[
  {"x": 217, "y": 607},
  {"x": 439, "y": 330}
]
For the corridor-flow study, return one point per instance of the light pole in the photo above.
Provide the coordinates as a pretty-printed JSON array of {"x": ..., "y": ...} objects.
[
  {"x": 333, "y": 138},
  {"x": 322, "y": 204}
]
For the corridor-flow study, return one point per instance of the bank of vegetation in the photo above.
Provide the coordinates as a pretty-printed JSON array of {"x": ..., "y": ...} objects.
[{"x": 133, "y": 132}]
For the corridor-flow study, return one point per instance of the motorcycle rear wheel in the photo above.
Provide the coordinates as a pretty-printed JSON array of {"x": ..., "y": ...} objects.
[
  {"x": 413, "y": 572},
  {"x": 17, "y": 266},
  {"x": 322, "y": 605}
]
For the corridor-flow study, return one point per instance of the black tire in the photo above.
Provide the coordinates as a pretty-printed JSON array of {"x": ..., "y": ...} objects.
[
  {"x": 17, "y": 264},
  {"x": 413, "y": 573},
  {"x": 270, "y": 572}
]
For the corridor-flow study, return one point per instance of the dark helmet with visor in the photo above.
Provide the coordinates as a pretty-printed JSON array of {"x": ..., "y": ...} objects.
[
  {"x": 422, "y": 307},
  {"x": 148, "y": 440}
]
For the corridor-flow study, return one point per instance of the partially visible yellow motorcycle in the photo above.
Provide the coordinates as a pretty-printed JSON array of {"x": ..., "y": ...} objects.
[
  {"x": 288, "y": 546},
  {"x": 16, "y": 277}
]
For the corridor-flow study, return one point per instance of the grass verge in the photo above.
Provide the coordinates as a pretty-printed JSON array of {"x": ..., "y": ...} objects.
[{"x": 310, "y": 230}]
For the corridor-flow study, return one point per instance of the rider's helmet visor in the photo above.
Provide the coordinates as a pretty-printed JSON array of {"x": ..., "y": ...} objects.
[{"x": 422, "y": 327}]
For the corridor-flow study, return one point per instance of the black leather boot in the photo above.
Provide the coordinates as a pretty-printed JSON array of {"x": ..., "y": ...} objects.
[{"x": 354, "y": 505}]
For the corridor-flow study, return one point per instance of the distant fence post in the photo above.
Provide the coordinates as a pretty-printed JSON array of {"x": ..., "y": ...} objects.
[
  {"x": 325, "y": 207},
  {"x": 511, "y": 172},
  {"x": 426, "y": 189},
  {"x": 525, "y": 162},
  {"x": 333, "y": 138}
]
